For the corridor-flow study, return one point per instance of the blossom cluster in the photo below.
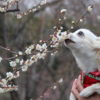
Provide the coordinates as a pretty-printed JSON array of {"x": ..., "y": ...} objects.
[
  {"x": 5, "y": 86},
  {"x": 33, "y": 9},
  {"x": 40, "y": 50},
  {"x": 6, "y": 5},
  {"x": 33, "y": 53}
]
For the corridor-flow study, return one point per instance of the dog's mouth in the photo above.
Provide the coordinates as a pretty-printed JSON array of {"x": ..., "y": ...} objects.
[{"x": 67, "y": 41}]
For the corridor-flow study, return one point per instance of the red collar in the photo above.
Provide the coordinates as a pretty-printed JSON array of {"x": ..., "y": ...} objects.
[{"x": 90, "y": 78}]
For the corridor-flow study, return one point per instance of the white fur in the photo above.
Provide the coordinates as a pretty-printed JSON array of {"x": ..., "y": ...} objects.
[
  {"x": 72, "y": 97},
  {"x": 95, "y": 88},
  {"x": 86, "y": 51}
]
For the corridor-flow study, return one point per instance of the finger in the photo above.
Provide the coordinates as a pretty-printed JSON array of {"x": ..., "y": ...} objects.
[
  {"x": 74, "y": 89},
  {"x": 74, "y": 84},
  {"x": 79, "y": 84}
]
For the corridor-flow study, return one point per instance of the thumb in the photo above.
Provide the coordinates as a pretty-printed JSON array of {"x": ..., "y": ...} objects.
[{"x": 74, "y": 89}]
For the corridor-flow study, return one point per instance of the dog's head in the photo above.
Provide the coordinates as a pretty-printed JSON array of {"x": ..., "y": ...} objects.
[{"x": 80, "y": 39}]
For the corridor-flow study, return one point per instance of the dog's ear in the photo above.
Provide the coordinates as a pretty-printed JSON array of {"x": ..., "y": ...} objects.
[{"x": 96, "y": 43}]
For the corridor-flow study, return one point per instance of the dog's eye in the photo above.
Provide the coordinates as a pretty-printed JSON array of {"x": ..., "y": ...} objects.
[{"x": 80, "y": 33}]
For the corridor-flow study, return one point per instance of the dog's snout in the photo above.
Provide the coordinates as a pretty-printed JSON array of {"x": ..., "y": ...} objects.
[{"x": 69, "y": 36}]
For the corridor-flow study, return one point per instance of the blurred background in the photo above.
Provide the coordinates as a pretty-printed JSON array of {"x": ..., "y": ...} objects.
[{"x": 17, "y": 34}]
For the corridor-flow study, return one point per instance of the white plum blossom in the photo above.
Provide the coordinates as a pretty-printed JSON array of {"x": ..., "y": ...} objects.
[
  {"x": 54, "y": 87},
  {"x": 28, "y": 51},
  {"x": 24, "y": 68},
  {"x": 61, "y": 80},
  {"x": 41, "y": 47},
  {"x": 44, "y": 46},
  {"x": 1, "y": 59},
  {"x": 52, "y": 54},
  {"x": 31, "y": 47},
  {"x": 59, "y": 19},
  {"x": 21, "y": 61},
  {"x": 9, "y": 75},
  {"x": 72, "y": 27},
  {"x": 3, "y": 82},
  {"x": 20, "y": 53},
  {"x": 43, "y": 2},
  {"x": 55, "y": 45},
  {"x": 38, "y": 55},
  {"x": 33, "y": 57},
  {"x": 41, "y": 55},
  {"x": 1, "y": 90},
  {"x": 73, "y": 21},
  {"x": 2, "y": 9},
  {"x": 17, "y": 74},
  {"x": 90, "y": 8},
  {"x": 13, "y": 64},
  {"x": 38, "y": 47},
  {"x": 63, "y": 10},
  {"x": 17, "y": 60},
  {"x": 81, "y": 20},
  {"x": 8, "y": 89}
]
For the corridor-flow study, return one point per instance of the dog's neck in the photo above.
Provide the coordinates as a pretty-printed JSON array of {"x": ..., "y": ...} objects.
[{"x": 86, "y": 60}]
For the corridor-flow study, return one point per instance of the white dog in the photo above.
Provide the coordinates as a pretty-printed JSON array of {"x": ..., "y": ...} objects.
[{"x": 85, "y": 47}]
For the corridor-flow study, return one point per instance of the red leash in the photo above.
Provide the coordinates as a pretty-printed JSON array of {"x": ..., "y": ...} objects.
[{"x": 90, "y": 78}]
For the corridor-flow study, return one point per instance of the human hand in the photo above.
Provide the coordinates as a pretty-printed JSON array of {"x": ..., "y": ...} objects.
[{"x": 77, "y": 88}]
